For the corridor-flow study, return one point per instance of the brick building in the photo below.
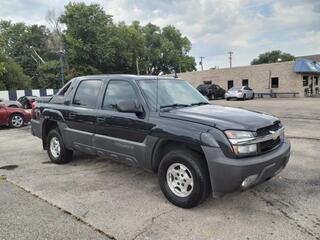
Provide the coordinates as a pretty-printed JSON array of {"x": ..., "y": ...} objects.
[{"x": 301, "y": 75}]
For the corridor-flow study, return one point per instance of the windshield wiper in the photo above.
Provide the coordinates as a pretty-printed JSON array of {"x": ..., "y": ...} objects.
[
  {"x": 198, "y": 103},
  {"x": 174, "y": 105}
]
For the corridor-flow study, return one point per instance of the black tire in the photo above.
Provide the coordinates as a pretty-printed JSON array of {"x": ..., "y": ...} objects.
[
  {"x": 198, "y": 168},
  {"x": 244, "y": 97},
  {"x": 252, "y": 96},
  {"x": 16, "y": 120},
  {"x": 65, "y": 154},
  {"x": 228, "y": 99}
]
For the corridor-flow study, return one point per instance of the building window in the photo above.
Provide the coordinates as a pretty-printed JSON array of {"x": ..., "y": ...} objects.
[
  {"x": 230, "y": 84},
  {"x": 274, "y": 82},
  {"x": 316, "y": 81},
  {"x": 305, "y": 81},
  {"x": 245, "y": 82}
]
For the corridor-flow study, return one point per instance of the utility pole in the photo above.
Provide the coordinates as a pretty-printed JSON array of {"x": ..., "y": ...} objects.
[
  {"x": 201, "y": 62},
  {"x": 137, "y": 66},
  {"x": 62, "y": 52},
  {"x": 230, "y": 58}
]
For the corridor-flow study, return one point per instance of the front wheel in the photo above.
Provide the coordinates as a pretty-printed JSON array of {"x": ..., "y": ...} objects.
[
  {"x": 57, "y": 152},
  {"x": 16, "y": 120},
  {"x": 184, "y": 178}
]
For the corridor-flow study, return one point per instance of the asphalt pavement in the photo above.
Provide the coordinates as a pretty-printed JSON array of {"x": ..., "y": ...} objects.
[{"x": 126, "y": 203}]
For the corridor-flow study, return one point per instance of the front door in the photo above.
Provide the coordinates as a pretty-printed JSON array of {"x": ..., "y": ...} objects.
[
  {"x": 3, "y": 116},
  {"x": 121, "y": 136},
  {"x": 81, "y": 115}
]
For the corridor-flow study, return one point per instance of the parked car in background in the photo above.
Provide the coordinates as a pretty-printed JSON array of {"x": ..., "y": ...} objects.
[
  {"x": 26, "y": 101},
  {"x": 211, "y": 91},
  {"x": 13, "y": 117},
  {"x": 242, "y": 92},
  {"x": 9, "y": 103}
]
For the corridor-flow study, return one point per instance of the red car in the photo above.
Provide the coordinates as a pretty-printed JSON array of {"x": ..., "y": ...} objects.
[{"x": 14, "y": 117}]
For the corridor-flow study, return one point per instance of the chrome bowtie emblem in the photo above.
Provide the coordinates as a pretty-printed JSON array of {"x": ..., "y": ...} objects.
[{"x": 275, "y": 135}]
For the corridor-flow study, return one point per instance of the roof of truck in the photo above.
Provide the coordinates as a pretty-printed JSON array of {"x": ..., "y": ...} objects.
[{"x": 129, "y": 77}]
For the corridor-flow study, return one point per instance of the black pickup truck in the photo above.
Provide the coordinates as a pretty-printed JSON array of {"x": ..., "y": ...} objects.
[{"x": 166, "y": 126}]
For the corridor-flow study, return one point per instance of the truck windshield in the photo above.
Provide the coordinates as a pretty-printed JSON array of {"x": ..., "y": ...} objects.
[{"x": 171, "y": 94}]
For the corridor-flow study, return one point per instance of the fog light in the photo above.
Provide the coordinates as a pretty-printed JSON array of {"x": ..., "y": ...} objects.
[
  {"x": 249, "y": 181},
  {"x": 245, "y": 149}
]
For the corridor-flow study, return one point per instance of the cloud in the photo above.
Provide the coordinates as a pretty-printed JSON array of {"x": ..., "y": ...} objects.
[{"x": 246, "y": 27}]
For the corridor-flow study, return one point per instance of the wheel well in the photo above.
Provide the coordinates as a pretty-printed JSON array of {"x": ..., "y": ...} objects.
[
  {"x": 165, "y": 146},
  {"x": 16, "y": 113},
  {"x": 47, "y": 126}
]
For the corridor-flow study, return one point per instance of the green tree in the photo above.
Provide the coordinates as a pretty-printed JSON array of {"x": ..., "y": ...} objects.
[
  {"x": 167, "y": 50},
  {"x": 49, "y": 74},
  {"x": 88, "y": 30},
  {"x": 23, "y": 43},
  {"x": 13, "y": 76},
  {"x": 272, "y": 57}
]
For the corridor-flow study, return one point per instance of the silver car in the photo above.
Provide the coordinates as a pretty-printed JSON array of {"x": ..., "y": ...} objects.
[
  {"x": 9, "y": 103},
  {"x": 242, "y": 92}
]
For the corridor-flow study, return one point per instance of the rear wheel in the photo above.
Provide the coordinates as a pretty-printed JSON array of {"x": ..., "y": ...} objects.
[
  {"x": 57, "y": 152},
  {"x": 228, "y": 99},
  {"x": 184, "y": 178}
]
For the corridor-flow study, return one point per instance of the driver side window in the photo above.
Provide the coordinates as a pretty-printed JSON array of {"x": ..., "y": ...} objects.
[{"x": 118, "y": 91}]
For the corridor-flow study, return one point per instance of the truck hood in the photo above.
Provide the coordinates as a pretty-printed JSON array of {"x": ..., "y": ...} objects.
[{"x": 221, "y": 117}]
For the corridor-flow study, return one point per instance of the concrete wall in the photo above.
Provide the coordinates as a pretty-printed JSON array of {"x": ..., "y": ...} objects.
[{"x": 258, "y": 76}]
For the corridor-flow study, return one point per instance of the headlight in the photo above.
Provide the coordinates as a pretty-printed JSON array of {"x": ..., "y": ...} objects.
[
  {"x": 240, "y": 141},
  {"x": 231, "y": 134}
]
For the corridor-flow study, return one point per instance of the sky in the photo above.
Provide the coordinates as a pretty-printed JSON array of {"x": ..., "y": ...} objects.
[{"x": 214, "y": 27}]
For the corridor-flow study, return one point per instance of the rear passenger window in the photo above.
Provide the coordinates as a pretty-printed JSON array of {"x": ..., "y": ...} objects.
[
  {"x": 87, "y": 93},
  {"x": 118, "y": 91}
]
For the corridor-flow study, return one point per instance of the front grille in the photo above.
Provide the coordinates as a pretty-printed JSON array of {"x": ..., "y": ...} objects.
[
  {"x": 266, "y": 130},
  {"x": 268, "y": 145}
]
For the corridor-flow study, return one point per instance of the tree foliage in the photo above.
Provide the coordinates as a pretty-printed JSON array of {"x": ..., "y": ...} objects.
[
  {"x": 93, "y": 44},
  {"x": 272, "y": 57},
  {"x": 49, "y": 74}
]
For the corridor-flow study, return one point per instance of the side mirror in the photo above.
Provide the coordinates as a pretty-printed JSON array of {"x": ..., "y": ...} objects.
[{"x": 129, "y": 107}]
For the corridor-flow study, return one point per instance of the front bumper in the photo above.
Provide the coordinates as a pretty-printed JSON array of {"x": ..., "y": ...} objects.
[{"x": 227, "y": 174}]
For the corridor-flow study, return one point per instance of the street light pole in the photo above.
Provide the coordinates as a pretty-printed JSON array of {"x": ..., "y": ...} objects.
[
  {"x": 62, "y": 52},
  {"x": 201, "y": 62}
]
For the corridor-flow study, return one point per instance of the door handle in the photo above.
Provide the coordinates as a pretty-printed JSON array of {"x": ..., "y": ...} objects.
[{"x": 101, "y": 119}]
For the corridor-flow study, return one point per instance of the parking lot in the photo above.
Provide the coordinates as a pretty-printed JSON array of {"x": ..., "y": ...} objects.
[{"x": 96, "y": 198}]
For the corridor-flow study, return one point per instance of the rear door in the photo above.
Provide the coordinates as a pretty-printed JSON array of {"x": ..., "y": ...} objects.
[
  {"x": 81, "y": 115},
  {"x": 121, "y": 136}
]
